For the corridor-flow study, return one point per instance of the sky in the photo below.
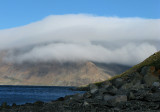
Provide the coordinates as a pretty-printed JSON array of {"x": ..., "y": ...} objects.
[
  {"x": 107, "y": 31},
  {"x": 14, "y": 13}
]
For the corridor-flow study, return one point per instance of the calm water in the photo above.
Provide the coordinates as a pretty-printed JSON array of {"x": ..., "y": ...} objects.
[{"x": 30, "y": 94}]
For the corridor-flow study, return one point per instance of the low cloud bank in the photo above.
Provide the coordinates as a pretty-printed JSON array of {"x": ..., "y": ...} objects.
[{"x": 72, "y": 38}]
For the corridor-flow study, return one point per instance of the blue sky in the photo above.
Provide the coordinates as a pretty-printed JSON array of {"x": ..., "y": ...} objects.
[{"x": 14, "y": 13}]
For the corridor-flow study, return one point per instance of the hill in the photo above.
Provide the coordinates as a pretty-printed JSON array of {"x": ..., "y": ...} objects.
[{"x": 150, "y": 66}]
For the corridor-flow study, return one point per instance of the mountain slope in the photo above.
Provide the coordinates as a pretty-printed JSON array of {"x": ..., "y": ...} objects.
[
  {"x": 56, "y": 74},
  {"x": 150, "y": 66},
  {"x": 153, "y": 62}
]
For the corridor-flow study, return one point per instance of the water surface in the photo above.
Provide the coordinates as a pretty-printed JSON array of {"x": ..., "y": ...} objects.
[{"x": 30, "y": 94}]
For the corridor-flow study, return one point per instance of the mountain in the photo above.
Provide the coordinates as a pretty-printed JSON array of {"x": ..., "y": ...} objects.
[
  {"x": 150, "y": 67},
  {"x": 55, "y": 73}
]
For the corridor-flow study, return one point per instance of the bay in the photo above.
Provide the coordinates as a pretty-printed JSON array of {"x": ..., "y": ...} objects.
[{"x": 31, "y": 94}]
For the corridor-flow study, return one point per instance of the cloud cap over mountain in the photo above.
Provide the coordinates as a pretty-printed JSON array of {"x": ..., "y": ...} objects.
[{"x": 80, "y": 37}]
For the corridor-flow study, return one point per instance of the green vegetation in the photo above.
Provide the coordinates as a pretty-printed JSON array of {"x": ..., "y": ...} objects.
[{"x": 153, "y": 60}]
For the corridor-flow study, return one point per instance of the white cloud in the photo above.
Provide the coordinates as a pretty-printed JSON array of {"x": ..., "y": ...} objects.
[{"x": 84, "y": 37}]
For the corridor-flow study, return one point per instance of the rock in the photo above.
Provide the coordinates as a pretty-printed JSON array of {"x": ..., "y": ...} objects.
[
  {"x": 117, "y": 99},
  {"x": 137, "y": 77},
  {"x": 118, "y": 82},
  {"x": 138, "y": 85},
  {"x": 99, "y": 97},
  {"x": 85, "y": 103},
  {"x": 141, "y": 93},
  {"x": 111, "y": 90},
  {"x": 105, "y": 84},
  {"x": 144, "y": 70},
  {"x": 60, "y": 99},
  {"x": 156, "y": 84},
  {"x": 127, "y": 86},
  {"x": 68, "y": 97},
  {"x": 93, "y": 88},
  {"x": 101, "y": 91},
  {"x": 87, "y": 95},
  {"x": 77, "y": 96},
  {"x": 121, "y": 92},
  {"x": 135, "y": 81},
  {"x": 107, "y": 97},
  {"x": 150, "y": 75},
  {"x": 153, "y": 97},
  {"x": 149, "y": 79},
  {"x": 131, "y": 96}
]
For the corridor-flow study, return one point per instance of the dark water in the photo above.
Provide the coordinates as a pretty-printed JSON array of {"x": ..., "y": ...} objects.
[{"x": 30, "y": 94}]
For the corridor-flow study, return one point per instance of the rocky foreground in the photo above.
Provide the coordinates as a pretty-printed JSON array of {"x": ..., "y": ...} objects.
[{"x": 137, "y": 90}]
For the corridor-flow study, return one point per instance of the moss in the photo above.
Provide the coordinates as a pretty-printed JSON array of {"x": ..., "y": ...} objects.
[{"x": 99, "y": 83}]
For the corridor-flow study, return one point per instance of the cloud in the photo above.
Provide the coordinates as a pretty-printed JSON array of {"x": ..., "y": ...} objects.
[{"x": 80, "y": 37}]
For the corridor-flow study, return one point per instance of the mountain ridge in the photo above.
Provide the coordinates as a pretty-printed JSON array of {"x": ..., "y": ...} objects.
[{"x": 55, "y": 73}]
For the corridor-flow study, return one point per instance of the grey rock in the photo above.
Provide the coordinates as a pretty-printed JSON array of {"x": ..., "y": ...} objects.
[
  {"x": 156, "y": 84},
  {"x": 138, "y": 85},
  {"x": 87, "y": 95},
  {"x": 105, "y": 84},
  {"x": 127, "y": 86},
  {"x": 144, "y": 70},
  {"x": 107, "y": 97},
  {"x": 149, "y": 79},
  {"x": 77, "y": 96},
  {"x": 102, "y": 91},
  {"x": 153, "y": 97},
  {"x": 117, "y": 99},
  {"x": 111, "y": 90},
  {"x": 99, "y": 97},
  {"x": 85, "y": 103},
  {"x": 93, "y": 88},
  {"x": 131, "y": 96},
  {"x": 135, "y": 82},
  {"x": 118, "y": 82},
  {"x": 121, "y": 92},
  {"x": 141, "y": 93}
]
